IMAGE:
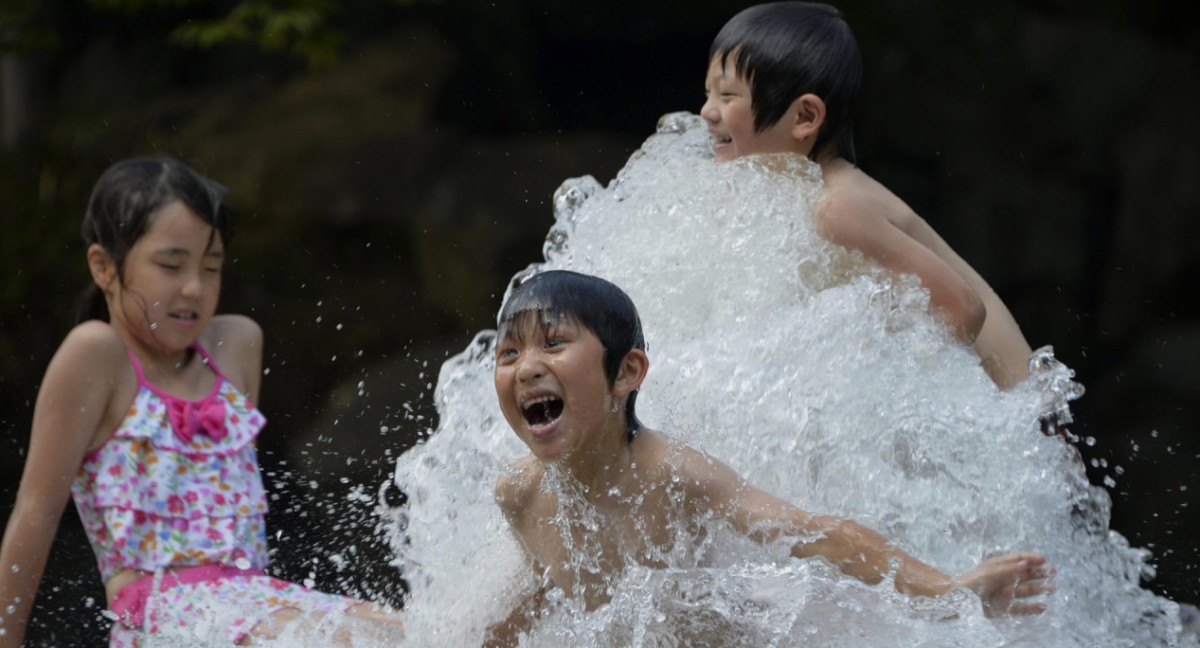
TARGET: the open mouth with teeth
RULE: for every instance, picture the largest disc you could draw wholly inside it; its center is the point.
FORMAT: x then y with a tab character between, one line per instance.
542	411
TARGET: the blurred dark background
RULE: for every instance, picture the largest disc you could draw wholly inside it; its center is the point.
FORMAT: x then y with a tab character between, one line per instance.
392	164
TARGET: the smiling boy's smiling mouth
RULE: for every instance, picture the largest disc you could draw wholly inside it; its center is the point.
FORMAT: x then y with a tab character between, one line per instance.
540	412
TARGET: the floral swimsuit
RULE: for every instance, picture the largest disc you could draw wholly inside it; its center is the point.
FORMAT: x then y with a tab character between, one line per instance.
177	487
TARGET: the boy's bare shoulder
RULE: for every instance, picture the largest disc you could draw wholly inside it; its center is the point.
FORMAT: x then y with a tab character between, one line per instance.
667	458
851	194
517	485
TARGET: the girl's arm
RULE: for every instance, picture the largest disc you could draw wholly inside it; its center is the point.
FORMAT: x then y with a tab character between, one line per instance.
73	402
855	549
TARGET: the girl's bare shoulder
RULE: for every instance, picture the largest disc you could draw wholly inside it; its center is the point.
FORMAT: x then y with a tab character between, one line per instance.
232	331
93	346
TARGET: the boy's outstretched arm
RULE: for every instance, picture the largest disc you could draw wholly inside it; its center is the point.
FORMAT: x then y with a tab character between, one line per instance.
1001	583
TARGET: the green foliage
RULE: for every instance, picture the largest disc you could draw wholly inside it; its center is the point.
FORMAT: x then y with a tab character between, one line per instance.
296	26
20	29
301	28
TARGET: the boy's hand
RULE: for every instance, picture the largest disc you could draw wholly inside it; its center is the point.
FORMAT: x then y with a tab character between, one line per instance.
1004	581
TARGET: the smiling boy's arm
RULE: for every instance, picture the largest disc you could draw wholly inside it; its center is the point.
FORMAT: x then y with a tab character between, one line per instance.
512	493
859	222
853	548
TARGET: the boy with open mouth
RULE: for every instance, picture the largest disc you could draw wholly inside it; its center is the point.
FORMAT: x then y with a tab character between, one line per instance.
600	492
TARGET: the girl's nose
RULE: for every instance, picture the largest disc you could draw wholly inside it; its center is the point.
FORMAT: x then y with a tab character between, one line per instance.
192	286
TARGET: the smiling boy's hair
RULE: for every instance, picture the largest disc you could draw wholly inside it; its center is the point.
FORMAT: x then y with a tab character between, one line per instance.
788	49
561	295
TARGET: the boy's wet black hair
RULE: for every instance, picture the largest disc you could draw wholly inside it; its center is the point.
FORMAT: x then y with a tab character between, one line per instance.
561	295
788	49
126	195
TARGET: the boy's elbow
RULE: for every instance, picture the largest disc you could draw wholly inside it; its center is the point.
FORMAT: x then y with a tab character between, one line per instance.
977	315
968	317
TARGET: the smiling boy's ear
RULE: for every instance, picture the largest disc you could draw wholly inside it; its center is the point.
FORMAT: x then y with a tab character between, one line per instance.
807	113
632	372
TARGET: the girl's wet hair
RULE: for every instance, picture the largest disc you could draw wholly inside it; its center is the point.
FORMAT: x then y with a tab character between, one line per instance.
561	295
788	49
127	194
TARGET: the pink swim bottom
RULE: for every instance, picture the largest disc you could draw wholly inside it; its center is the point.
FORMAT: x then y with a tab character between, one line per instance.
214	602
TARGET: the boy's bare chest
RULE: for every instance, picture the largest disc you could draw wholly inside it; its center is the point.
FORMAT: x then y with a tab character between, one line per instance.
586	547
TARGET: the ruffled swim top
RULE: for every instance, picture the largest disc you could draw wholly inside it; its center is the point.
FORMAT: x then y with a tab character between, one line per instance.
177	484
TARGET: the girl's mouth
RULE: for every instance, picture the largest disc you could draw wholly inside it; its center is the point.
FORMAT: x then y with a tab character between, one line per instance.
185	318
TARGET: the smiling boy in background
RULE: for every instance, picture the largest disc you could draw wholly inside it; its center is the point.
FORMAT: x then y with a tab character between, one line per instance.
785	77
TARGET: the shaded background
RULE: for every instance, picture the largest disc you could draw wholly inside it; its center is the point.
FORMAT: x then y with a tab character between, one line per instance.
392	165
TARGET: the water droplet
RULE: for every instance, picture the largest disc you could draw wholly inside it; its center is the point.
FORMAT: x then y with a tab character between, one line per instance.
15	569
242	563
153	325
157	304
383	429
338	327
318	318
266	371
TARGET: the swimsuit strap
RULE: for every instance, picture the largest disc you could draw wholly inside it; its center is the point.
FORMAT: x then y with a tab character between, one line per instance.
141	375
137	366
209	361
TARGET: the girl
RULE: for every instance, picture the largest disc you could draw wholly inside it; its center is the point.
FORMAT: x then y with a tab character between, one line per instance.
145	417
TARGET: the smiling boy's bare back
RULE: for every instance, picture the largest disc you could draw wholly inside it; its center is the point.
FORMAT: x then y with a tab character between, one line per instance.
857	212
635	518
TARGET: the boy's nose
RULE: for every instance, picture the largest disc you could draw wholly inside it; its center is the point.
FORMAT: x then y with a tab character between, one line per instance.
530	370
709	110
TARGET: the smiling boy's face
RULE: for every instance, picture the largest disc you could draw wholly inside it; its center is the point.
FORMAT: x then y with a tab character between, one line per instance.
730	116
552	387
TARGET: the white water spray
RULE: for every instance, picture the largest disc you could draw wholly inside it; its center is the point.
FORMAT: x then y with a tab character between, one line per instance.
817	377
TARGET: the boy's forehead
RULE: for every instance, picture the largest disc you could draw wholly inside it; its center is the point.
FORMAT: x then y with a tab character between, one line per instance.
535	318
724	66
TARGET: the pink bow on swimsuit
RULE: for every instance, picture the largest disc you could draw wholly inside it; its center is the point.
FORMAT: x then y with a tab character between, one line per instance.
207	417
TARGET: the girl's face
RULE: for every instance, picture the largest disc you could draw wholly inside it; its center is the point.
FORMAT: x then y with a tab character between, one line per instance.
172	282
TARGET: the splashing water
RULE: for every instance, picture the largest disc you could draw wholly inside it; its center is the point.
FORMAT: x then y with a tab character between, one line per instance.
819	378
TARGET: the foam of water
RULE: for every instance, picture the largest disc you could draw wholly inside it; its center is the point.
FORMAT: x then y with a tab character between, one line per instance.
816	376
